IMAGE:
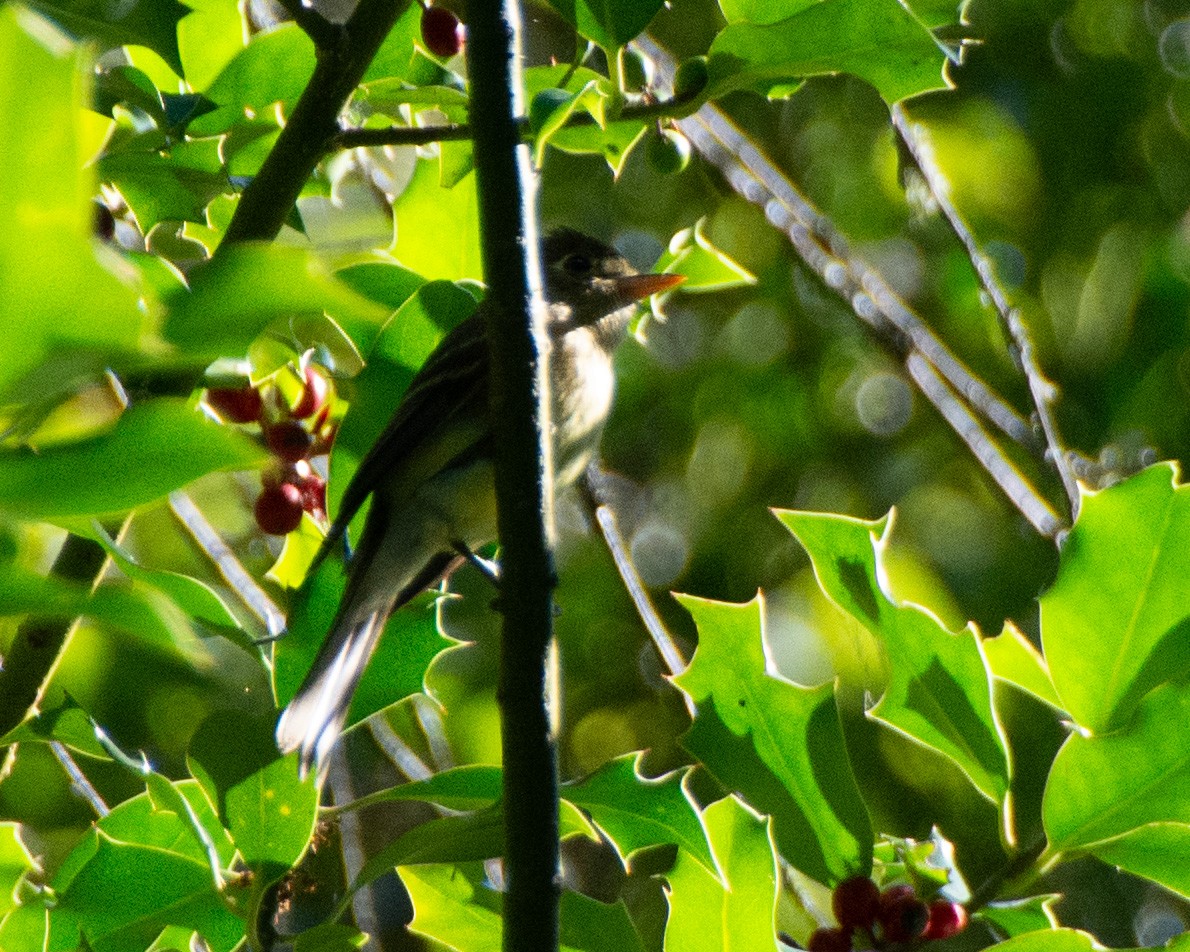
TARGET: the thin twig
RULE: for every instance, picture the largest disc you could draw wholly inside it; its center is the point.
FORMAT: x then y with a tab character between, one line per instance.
605	517
79	784
1022	495
242	583
1041	389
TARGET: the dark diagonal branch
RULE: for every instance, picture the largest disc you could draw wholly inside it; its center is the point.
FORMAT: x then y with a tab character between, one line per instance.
342	62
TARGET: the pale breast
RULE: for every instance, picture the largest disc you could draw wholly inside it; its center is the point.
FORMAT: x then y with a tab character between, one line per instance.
584	385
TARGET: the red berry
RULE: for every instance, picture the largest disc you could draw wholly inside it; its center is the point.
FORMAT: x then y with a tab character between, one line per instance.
829	940
856	902
313	490
902	915
279	509
441	31
289	440
313	396
946	919
236	404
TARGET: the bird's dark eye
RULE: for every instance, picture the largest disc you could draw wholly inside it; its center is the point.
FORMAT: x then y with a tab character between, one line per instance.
577	264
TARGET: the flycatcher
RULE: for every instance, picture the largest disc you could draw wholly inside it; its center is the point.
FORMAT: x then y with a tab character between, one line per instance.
430	474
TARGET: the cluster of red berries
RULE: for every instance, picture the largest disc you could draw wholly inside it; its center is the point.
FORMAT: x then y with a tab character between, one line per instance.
880	918
293	434
441	31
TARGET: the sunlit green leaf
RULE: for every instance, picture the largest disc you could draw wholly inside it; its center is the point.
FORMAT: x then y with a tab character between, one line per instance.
67	724
637	812
155	447
939	691
15	862
269	812
242	290
1055	940
881	42
739	911
65	302
1103	787
1019	916
777	743
1116	621
437	229
1013	658
1156	851
151	23
208	39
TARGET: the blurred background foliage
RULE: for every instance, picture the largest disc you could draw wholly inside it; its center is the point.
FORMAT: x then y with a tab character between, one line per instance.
1065	144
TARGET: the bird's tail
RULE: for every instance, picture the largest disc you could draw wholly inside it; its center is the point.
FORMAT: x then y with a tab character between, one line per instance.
314	719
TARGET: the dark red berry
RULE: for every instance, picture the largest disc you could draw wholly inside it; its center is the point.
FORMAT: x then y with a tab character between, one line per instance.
279	509
236	404
441	32
313	396
289	440
945	919
313	490
829	940
856	901
902	915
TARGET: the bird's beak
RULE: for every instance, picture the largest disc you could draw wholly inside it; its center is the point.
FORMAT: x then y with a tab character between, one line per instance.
638	286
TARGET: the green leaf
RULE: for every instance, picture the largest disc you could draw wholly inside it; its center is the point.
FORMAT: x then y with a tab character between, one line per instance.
139	870
173	186
637	812
453	908
67	724
437	229
65	303
1016	917
269	812
386	283
155	447
208	39
939	691
1051	940
762	12
471	787
550	111
274	67
242	290
738	912
151	23
1156	851
1013	658
1116	621
777	743
195	598
126	893
16	862
706	268
1103	787
609	23
330	937
881	42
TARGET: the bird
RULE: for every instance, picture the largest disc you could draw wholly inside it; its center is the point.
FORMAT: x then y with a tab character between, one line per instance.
430	473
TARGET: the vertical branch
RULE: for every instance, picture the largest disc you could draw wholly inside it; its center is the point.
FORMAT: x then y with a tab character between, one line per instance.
515	314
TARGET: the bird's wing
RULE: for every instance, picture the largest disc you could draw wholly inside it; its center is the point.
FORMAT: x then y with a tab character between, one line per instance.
425	433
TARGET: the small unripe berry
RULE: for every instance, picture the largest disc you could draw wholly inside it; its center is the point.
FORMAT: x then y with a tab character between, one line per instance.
279	509
856	901
829	940
691	77
313	396
441	32
289	440
946	919
668	152
236	404
638	71
902	915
